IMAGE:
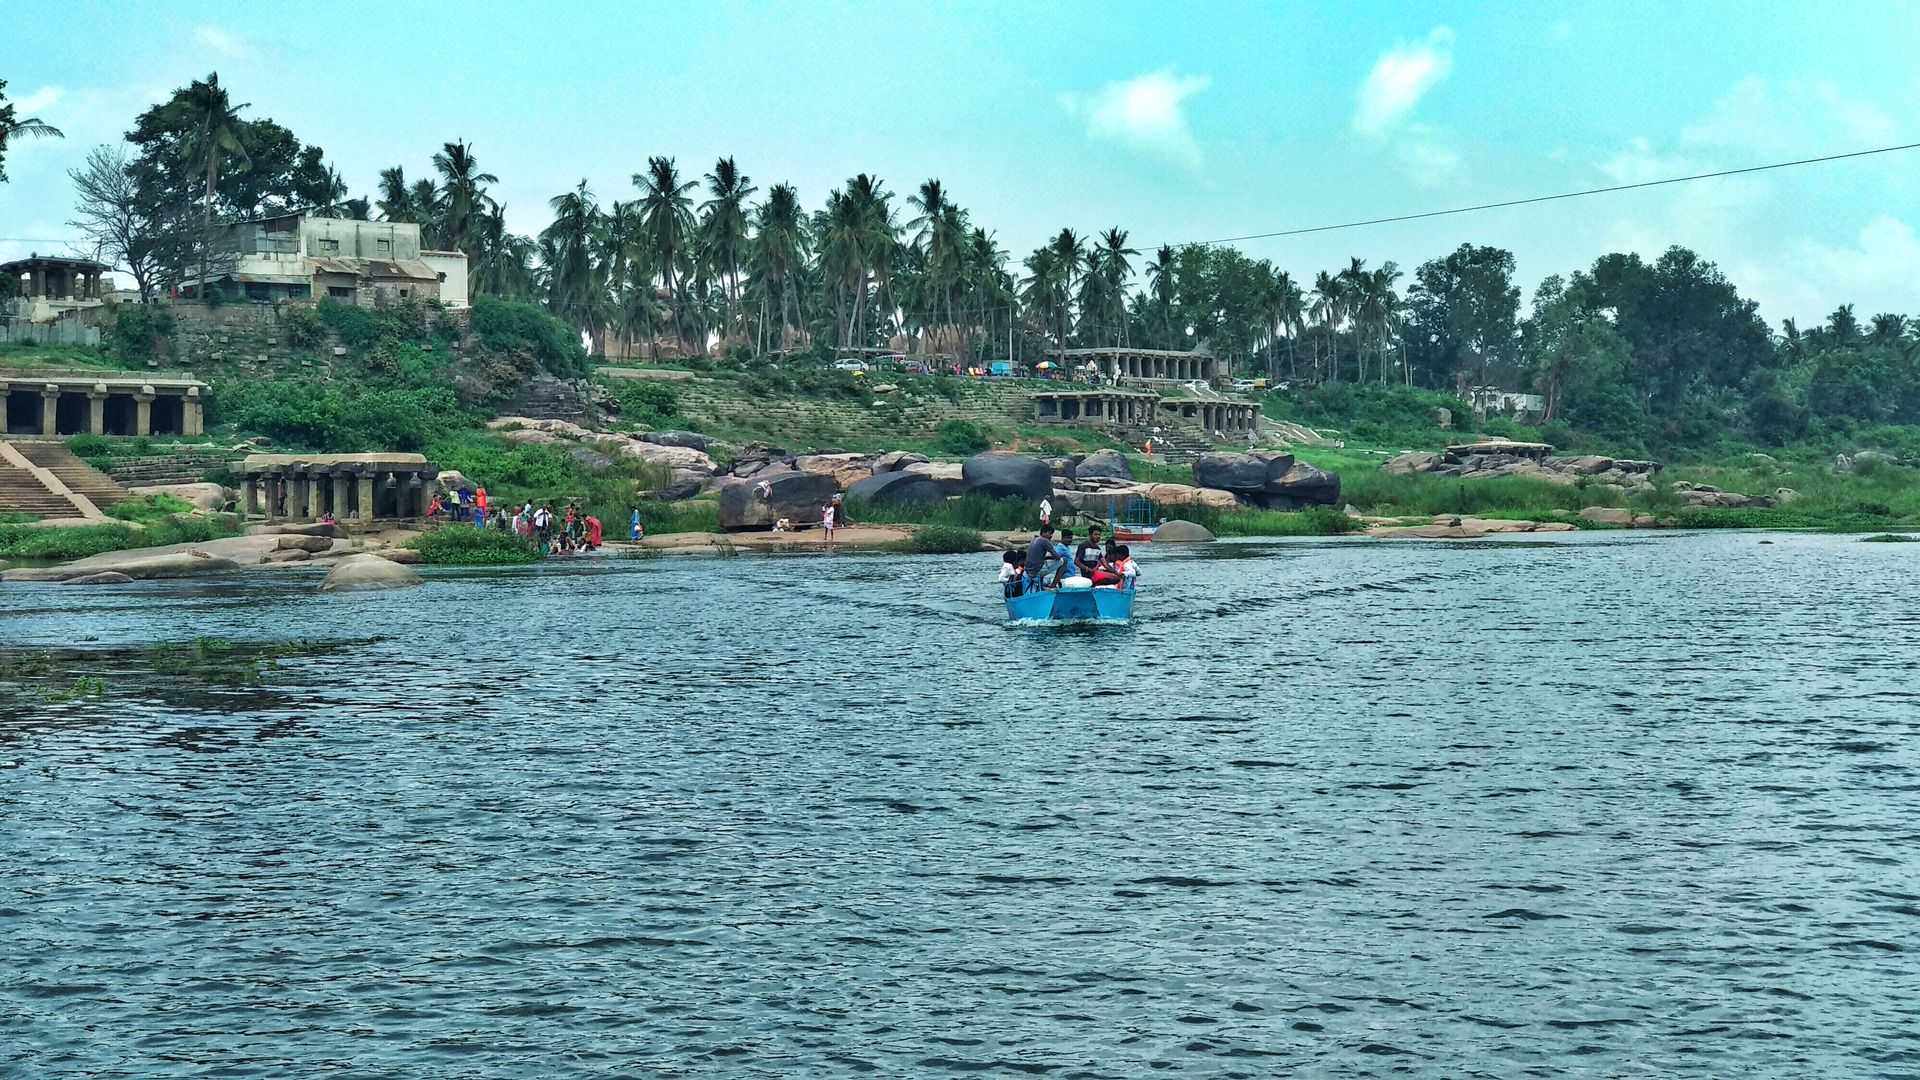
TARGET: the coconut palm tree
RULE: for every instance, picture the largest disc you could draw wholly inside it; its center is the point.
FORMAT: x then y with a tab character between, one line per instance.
723	228
668	215
779	255
463	193
576	291
17	127
503	263
1162	284
392	198
1044	293
1324	305
1843	326
215	132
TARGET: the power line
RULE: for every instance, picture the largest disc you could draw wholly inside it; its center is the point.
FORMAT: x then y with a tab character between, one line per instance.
1562	195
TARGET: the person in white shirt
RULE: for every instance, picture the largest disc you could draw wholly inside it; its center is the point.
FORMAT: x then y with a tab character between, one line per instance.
1046	511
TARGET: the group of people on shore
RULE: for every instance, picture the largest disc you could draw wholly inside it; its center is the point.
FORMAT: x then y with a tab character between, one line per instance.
1049	562
548	528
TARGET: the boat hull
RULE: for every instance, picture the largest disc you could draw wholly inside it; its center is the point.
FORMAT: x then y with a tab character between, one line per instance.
1103	604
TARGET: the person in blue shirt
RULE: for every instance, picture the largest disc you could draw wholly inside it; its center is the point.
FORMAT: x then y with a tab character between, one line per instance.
634	528
1063	548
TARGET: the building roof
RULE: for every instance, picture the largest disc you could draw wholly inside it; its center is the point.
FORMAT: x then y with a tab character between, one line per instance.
28	263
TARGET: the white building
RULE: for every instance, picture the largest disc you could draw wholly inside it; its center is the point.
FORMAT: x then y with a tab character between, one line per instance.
298	257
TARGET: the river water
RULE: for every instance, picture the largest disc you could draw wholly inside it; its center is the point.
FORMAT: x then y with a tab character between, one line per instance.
1614	804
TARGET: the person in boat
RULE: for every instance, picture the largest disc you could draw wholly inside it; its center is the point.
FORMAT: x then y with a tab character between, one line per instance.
1063	547
1039	554
1125	567
1086	557
1010	571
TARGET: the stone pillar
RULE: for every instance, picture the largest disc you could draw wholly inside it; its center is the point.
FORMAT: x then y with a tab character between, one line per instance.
413	500
39	280
193	420
50	409
143	411
314	504
97	409
340	482
366	496
249	487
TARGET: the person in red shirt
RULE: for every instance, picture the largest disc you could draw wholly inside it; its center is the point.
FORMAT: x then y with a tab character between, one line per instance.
593	532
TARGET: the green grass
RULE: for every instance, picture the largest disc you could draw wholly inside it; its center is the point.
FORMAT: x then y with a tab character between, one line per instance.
1319	521
150	508
456	545
972	511
939	540
1890	538
79	541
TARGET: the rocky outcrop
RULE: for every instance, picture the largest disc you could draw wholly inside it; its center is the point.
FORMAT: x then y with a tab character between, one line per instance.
1466	528
687	439
1002	474
308	544
202	496
105	577
758	501
1104	464
845	469
1267	479
1622	517
136	565
758	456
1178	531
895	489
368	573
1486	461
896	460
1708	497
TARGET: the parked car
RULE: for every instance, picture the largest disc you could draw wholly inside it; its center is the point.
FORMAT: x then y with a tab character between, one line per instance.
848	363
1244	385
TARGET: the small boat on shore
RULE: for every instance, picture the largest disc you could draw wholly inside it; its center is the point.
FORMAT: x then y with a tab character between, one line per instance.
1084	604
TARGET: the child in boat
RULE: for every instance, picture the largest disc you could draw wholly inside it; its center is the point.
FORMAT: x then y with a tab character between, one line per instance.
1126	567
1010	572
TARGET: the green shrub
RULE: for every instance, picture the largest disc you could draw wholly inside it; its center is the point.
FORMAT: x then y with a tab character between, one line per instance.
961	437
339	416
80	541
305	326
357	326
140	332
150	508
939	540
523	330
645	401
455	545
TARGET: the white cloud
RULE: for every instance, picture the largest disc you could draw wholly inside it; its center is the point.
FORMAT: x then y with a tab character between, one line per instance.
1384	106
1146	113
1399	79
38	102
224	42
1790	118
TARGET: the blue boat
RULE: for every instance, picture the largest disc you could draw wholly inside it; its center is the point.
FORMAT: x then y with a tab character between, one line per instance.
1103	604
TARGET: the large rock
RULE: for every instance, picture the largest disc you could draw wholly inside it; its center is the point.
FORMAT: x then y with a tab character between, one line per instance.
896	488
202	496
1408	464
758	501
1003	474
529	437
297	528
845	469
1184	495
1181	532
105	577
136	565
688	439
670	457
758	456
948	475
303	543
368	573
1608	515
1108	464
1301	486
896	460
563	428
1230	472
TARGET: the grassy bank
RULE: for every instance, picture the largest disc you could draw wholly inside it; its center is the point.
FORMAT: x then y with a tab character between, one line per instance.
62	544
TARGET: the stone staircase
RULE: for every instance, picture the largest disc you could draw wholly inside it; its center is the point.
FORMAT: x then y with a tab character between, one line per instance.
21	492
1181	442
544	397
819	422
79	476
187	467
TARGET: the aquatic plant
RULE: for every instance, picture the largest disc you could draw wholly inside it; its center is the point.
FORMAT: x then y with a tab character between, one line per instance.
939	540
454	545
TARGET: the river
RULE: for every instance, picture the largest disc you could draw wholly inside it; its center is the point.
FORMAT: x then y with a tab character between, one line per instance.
1604	804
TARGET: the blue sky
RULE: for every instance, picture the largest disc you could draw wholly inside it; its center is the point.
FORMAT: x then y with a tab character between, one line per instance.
1175	122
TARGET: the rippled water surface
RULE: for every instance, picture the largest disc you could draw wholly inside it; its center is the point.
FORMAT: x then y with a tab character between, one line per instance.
1613	805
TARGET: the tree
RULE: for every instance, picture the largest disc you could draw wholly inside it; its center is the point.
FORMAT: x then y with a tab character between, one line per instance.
464	192
575	289
779	254
723	227
1463	312
113	217
667	212
13	127
1160	283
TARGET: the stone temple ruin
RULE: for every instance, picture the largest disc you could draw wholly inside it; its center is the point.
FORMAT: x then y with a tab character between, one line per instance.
359	488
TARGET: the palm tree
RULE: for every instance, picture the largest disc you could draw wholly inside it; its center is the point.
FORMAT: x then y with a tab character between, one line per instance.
1843	326
1110	268
1324	306
723	230
575	289
1161	282
1044	293
394	201
464	194
503	263
12	127
779	254
667	213
1888	328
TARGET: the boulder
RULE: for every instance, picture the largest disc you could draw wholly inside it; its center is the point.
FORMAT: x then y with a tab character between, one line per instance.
757	502
105	577
1109	464
896	488
136	565
756	456
202	496
1783	496
845	469
1183	495
562	428
1300	487
368	573
670	457
1178	531
288	555
948	475
679	490
1003	474
689	440
1608	515
303	544
529	437
297	528
404	556
1062	468
1230	472
1407	464
895	460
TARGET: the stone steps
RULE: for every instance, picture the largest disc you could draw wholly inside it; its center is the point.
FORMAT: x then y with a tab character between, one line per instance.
79	476
170	469
21	492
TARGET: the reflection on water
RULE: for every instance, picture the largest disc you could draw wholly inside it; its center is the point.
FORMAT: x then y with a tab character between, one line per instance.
1608	805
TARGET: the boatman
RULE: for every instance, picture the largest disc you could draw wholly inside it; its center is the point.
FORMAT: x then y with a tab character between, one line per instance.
1039	553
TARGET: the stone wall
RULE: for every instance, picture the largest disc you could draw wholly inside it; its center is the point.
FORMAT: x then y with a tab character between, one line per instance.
183	468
